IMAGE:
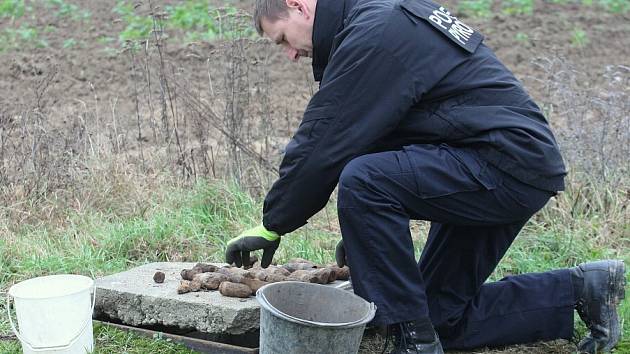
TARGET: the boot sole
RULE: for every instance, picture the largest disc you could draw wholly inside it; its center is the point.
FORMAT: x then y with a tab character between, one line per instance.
616	283
617	278
618	271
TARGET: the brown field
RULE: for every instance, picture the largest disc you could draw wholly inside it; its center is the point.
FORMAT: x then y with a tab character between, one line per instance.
227	108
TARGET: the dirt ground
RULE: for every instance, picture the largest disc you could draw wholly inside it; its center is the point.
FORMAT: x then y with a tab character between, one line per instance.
95	68
373	343
96	72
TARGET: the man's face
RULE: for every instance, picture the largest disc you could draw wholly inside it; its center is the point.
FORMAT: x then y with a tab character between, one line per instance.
295	32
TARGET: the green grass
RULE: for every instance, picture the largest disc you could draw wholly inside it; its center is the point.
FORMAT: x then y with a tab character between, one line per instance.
114	341
518	7
521	37
197	20
136	27
483	8
66	10
615	6
476	8
12	9
102	241
579	38
188	21
109	340
22	36
126	224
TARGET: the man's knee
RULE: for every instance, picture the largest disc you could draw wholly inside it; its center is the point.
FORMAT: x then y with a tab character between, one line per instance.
353	179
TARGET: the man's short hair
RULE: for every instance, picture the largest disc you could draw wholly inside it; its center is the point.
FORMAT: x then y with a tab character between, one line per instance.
272	10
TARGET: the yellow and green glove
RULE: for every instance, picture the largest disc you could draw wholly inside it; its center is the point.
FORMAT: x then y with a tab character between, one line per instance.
257	238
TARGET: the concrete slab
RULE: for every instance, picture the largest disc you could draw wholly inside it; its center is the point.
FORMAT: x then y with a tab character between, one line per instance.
136	300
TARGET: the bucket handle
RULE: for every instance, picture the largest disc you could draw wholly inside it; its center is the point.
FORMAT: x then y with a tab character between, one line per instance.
262	299
56	347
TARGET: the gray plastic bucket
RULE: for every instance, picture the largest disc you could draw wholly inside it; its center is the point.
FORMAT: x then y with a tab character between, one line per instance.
298	317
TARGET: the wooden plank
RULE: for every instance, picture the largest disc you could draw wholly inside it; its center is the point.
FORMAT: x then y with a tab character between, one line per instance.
200	345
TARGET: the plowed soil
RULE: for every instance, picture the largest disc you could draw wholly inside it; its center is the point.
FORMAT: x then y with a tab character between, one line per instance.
93	72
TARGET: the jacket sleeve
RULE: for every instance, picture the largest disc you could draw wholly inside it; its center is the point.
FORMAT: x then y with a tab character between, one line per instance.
364	94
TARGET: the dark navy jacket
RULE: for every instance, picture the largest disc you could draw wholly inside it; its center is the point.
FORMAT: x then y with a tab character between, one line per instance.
395	73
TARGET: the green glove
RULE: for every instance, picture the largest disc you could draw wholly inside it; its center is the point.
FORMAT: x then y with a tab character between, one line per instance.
257	238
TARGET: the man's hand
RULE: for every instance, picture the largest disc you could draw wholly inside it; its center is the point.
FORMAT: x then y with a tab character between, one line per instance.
257	238
340	254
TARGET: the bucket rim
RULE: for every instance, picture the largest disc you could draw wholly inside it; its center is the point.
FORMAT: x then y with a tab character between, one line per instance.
260	296
17	286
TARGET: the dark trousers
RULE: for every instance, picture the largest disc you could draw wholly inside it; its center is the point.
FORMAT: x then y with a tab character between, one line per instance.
476	211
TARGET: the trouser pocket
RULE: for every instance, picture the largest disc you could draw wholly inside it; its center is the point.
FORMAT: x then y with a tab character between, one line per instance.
443	170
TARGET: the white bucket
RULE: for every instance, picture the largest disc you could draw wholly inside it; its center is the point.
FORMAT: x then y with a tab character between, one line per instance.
54	314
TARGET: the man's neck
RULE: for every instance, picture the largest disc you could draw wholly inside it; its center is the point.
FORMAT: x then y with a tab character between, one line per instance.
329	16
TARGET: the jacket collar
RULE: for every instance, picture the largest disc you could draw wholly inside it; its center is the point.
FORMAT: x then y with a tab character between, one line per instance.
329	20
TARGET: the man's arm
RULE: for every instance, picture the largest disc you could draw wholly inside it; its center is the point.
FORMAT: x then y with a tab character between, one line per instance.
363	96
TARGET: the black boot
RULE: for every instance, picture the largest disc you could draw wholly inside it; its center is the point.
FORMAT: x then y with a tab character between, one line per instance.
602	290
415	338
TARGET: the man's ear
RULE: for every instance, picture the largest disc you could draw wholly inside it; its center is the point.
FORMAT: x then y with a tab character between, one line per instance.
299	5
293	4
